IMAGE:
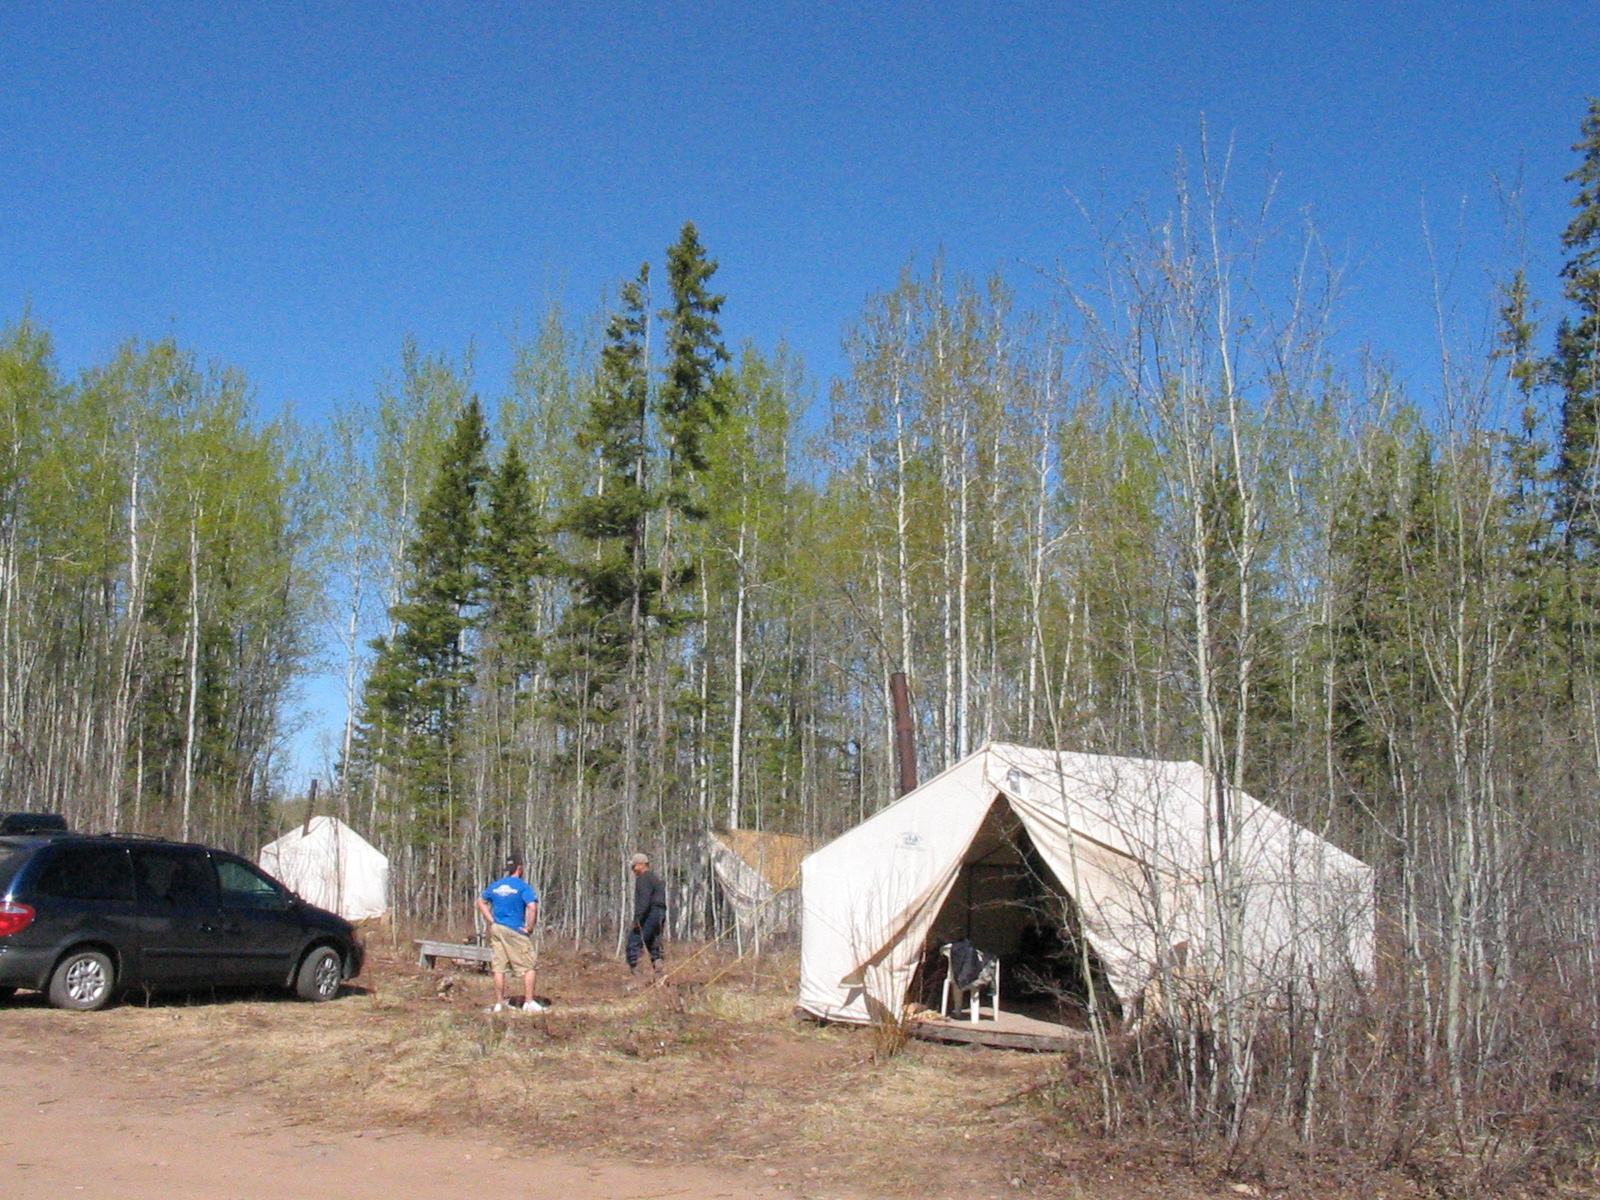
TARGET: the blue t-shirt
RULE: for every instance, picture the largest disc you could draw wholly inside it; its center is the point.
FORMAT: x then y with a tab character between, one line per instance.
509	899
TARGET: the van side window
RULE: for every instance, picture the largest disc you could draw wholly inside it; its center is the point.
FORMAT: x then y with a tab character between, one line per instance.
175	878
85	873
244	888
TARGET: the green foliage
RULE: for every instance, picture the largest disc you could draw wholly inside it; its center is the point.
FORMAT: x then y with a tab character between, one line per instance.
1577	354
1383	525
513	558
692	400
158	545
418	692
616	591
754	572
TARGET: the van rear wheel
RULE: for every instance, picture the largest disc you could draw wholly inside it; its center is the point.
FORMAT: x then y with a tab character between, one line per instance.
82	981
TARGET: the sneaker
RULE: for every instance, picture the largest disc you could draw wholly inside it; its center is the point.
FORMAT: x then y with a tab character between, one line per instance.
497	1007
532	1006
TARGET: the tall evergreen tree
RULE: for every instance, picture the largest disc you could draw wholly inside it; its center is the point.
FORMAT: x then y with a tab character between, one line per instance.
693	398
514	561
596	648
513	557
691	404
597	652
1577	356
417	694
615	590
1526	373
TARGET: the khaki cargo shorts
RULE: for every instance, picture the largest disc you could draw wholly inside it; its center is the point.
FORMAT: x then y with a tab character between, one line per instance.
513	951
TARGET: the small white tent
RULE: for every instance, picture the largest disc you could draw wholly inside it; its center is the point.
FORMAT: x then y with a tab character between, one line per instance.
760	876
332	866
1128	848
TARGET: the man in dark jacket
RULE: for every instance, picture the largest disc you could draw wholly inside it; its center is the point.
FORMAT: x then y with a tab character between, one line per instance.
649	914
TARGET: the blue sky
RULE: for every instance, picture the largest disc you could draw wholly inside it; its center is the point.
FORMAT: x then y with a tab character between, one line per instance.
292	188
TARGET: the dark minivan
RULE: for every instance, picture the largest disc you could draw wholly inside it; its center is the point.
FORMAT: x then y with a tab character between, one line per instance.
83	917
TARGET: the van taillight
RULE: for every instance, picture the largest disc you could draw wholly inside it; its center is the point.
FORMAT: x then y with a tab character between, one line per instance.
14	917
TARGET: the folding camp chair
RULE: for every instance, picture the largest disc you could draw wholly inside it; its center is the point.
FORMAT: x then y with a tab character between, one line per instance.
968	971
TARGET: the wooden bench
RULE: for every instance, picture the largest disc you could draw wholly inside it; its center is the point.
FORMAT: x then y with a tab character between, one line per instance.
430	952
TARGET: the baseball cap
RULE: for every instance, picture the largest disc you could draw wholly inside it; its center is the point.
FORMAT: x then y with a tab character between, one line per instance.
639	860
513	861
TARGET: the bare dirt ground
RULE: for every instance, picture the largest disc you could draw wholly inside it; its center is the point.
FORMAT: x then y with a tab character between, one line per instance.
706	1086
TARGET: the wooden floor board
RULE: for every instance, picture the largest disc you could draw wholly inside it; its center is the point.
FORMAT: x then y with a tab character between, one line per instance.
1012	1031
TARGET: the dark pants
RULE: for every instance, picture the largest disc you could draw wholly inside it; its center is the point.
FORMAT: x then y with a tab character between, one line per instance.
646	935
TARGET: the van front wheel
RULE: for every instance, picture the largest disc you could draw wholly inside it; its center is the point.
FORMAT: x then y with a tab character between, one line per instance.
319	975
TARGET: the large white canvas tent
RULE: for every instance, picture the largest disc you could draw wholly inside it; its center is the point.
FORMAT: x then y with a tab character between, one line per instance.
1124	849
759	873
332	866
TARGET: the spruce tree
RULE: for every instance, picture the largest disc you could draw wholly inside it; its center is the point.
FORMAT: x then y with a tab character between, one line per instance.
1527	374
615	591
693	395
1577	355
514	561
513	556
691	404
417	693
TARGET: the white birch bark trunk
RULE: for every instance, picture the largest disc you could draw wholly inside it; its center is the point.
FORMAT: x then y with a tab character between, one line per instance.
736	734
192	649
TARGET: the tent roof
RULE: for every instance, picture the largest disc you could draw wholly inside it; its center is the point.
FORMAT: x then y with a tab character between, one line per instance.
324	829
776	857
1153	811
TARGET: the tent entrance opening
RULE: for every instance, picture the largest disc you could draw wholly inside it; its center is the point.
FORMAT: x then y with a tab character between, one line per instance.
1009	904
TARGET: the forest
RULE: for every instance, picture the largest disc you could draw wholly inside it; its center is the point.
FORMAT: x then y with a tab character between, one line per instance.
657	586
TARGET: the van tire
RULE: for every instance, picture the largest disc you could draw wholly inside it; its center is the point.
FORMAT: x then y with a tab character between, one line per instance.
319	974
82	981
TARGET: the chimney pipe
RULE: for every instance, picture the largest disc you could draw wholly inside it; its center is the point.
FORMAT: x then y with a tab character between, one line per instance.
905	741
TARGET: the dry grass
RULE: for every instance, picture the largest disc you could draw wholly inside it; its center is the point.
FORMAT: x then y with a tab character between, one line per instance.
712	1066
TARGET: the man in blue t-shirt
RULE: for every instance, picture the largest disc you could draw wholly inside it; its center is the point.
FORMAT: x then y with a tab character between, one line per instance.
511	907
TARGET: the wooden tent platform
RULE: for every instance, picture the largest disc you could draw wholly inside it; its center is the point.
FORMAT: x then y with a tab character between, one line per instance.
1013	1031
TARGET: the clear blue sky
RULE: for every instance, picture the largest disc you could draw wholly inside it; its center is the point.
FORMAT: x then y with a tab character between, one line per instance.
292	188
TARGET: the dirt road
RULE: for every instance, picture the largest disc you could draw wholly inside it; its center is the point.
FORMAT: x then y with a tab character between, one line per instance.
405	1088
71	1126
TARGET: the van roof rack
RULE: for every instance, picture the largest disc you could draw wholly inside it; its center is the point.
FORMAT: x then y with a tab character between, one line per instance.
27	822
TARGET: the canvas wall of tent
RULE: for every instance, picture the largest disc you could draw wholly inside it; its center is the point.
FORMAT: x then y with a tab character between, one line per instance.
1053	859
759	874
332	866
